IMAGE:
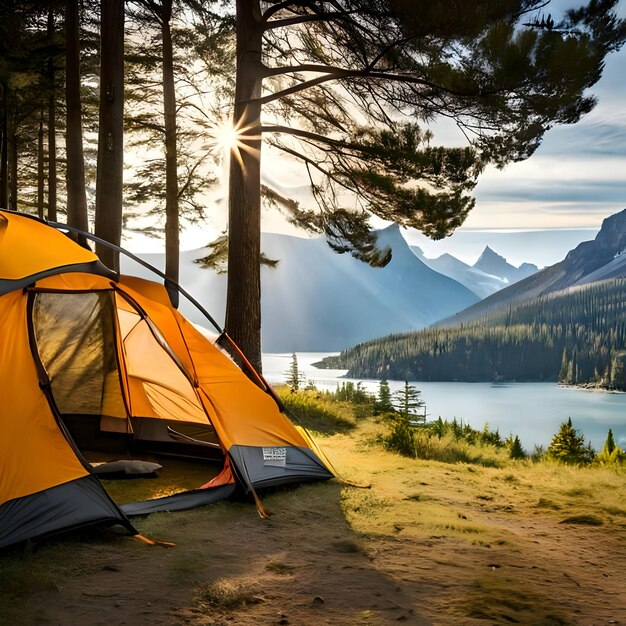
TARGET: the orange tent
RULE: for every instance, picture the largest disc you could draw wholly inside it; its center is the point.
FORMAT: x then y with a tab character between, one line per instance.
90	360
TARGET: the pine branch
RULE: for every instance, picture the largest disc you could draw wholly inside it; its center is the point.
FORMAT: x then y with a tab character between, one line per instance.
311	17
279	6
298	132
342	74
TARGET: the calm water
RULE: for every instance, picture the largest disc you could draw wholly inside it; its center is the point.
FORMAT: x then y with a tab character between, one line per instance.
531	410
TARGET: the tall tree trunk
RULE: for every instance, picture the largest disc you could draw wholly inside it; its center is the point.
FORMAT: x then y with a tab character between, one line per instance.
13	164
75	172
109	177
52	129
4	151
243	301
172	245
41	176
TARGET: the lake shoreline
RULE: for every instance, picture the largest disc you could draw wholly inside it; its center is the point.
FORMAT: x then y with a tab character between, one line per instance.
589	386
533	411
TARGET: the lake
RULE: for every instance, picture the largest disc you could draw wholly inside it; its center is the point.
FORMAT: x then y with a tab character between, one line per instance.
533	411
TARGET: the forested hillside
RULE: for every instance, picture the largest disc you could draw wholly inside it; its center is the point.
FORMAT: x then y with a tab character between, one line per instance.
574	336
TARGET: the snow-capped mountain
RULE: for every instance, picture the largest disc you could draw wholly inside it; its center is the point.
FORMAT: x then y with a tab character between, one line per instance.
590	261
476	279
491	263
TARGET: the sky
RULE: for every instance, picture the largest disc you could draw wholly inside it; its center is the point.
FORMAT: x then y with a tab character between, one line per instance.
576	178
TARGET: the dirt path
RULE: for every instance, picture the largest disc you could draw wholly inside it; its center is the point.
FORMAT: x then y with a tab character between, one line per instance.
304	566
428	544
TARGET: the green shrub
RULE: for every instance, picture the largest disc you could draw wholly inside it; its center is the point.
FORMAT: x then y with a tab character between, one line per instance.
440	441
401	437
538	454
448	449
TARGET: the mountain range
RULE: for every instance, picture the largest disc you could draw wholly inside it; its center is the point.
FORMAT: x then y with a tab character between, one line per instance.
489	274
490	262
542	246
315	300
566	323
590	261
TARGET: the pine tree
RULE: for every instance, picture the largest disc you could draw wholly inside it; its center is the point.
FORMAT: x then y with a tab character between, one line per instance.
75	170
568	445
294	377
383	403
408	404
609	445
516	451
617	371
611	452
349	81
109	182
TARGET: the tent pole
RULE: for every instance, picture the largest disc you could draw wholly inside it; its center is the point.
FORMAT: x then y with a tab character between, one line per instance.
141	262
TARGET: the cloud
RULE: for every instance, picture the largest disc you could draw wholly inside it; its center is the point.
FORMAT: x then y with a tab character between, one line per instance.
577	176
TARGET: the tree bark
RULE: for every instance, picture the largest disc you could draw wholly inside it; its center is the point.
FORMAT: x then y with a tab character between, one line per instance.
13	164
243	301
172	243
52	130
75	172
4	152
41	176
109	176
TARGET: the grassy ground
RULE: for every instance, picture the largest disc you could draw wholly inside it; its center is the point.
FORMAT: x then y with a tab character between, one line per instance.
427	542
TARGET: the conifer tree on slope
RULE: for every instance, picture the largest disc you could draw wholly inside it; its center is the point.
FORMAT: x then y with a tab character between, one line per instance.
348	87
383	402
611	452
408	403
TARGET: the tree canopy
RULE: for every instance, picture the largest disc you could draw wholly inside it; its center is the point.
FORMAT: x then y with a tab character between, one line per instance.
354	85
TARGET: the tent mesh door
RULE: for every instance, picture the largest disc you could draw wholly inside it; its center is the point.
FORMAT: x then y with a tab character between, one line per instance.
75	337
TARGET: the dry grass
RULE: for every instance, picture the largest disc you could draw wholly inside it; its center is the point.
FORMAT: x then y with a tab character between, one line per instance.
224	594
428	498
447	449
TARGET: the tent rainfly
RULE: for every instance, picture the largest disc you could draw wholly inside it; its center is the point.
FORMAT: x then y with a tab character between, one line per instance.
90	360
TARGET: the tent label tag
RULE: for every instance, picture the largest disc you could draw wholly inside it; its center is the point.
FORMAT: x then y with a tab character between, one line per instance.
275	456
